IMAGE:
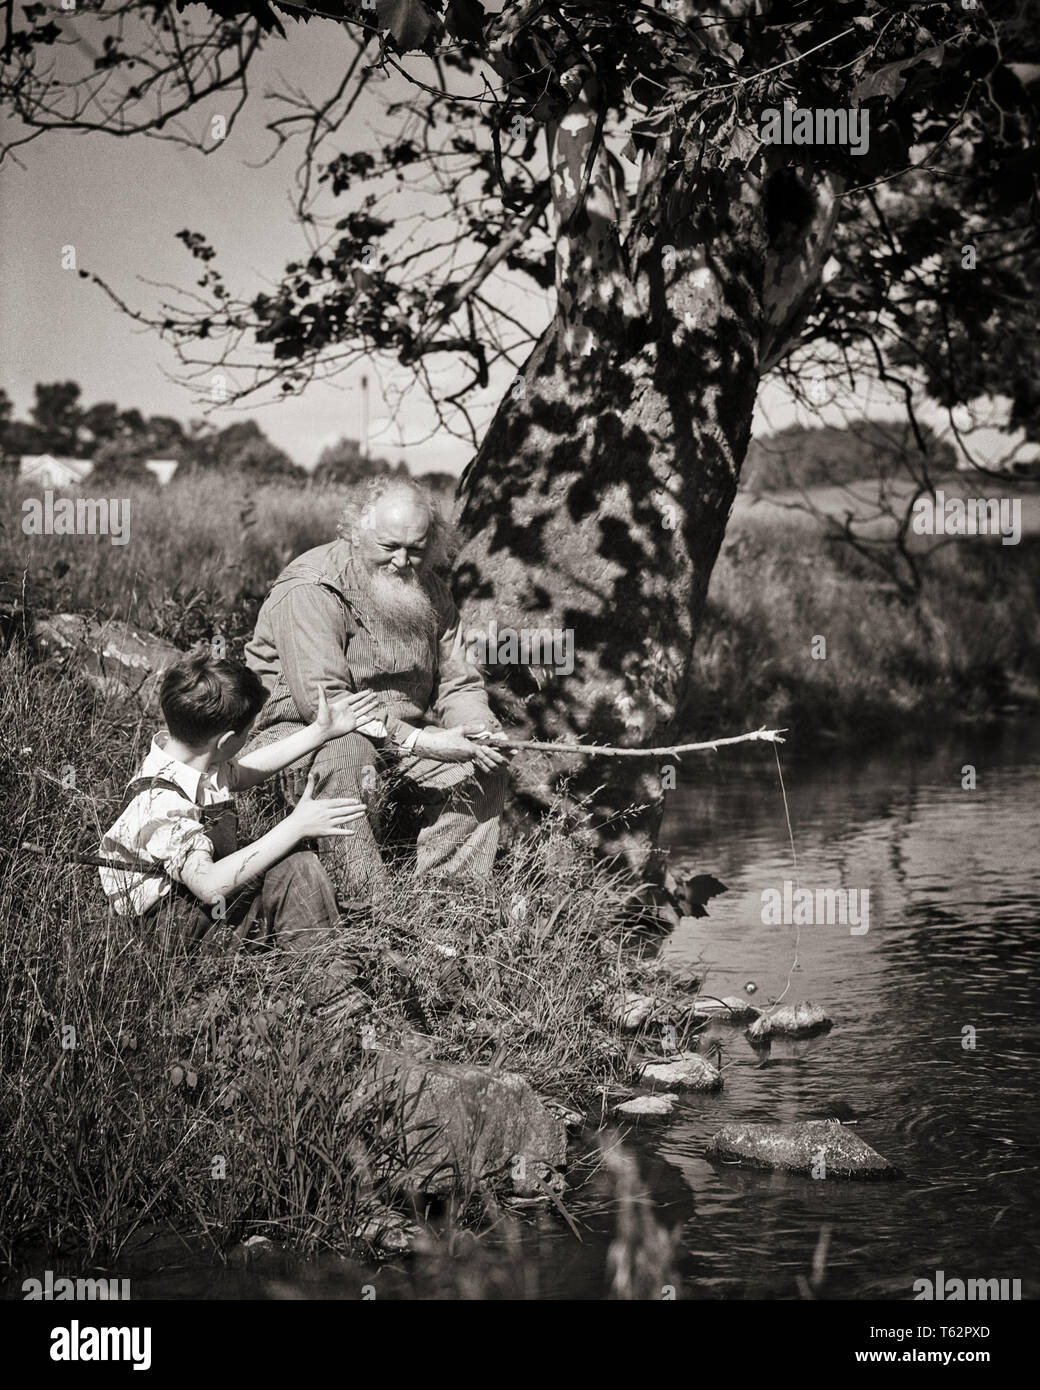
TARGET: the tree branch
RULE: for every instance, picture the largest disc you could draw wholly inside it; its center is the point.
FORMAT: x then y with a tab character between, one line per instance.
611	751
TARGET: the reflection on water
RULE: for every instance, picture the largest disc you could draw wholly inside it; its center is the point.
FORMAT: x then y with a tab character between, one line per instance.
952	944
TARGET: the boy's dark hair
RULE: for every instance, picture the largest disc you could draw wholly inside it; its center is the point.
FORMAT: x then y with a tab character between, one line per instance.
202	697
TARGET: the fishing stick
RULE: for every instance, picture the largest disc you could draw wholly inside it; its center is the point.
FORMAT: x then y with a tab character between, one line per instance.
137	866
611	751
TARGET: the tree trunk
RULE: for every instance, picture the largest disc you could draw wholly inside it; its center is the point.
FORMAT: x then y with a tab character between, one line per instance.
598	500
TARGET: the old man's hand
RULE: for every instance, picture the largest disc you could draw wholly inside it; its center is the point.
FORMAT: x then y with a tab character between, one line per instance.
459	745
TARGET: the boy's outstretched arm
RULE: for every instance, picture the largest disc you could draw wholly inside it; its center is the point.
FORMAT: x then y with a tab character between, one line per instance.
211	879
330	721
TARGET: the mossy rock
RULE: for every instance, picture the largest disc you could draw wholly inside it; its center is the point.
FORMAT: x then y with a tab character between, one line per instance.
687	1071
816	1148
789	1021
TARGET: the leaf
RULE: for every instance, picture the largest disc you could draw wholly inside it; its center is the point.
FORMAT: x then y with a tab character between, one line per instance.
236	9
743	146
409	21
465	19
646	92
890	80
886	82
697	890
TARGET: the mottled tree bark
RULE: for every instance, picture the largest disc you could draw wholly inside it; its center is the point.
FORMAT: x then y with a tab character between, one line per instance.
598	500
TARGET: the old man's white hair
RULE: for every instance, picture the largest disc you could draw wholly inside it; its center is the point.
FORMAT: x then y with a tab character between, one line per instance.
443	543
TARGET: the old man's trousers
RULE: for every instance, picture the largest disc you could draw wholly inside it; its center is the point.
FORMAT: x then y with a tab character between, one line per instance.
460	804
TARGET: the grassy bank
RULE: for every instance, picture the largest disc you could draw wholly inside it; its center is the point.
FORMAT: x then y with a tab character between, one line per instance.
966	649
137	1088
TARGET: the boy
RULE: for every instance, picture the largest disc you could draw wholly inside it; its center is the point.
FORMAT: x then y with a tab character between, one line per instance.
177	831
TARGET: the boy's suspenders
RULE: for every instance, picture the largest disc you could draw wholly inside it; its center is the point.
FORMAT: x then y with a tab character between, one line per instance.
134	790
148	784
220	822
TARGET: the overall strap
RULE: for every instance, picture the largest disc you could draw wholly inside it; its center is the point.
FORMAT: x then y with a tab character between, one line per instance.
133	790
147	784
349	607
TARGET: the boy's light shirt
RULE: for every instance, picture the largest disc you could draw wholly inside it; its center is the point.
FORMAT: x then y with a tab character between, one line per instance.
161	826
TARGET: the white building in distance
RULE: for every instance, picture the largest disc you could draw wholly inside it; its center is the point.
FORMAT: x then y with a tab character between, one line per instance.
47	470
162	469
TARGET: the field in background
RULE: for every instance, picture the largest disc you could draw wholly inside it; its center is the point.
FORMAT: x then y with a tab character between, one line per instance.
874	508
200	557
202	554
965	649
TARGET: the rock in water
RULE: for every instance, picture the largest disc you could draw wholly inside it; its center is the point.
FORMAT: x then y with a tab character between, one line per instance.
728	1010
639	1107
467	1127
686	1072
389	1230
818	1148
789	1021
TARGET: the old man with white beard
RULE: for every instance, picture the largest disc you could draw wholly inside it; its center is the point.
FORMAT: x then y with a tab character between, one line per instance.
367	611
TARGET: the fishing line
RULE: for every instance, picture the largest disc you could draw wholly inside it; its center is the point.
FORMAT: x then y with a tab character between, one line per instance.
794	859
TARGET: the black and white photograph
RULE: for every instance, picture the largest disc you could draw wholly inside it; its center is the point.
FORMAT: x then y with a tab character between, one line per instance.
519	672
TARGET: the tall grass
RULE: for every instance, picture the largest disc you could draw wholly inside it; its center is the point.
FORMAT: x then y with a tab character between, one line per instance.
202	554
140	1087
967	649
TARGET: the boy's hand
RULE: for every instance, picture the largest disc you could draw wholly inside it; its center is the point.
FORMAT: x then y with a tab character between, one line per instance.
313	818
345	714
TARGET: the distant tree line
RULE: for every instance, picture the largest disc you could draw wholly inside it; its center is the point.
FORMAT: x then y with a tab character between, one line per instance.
807	457
120	441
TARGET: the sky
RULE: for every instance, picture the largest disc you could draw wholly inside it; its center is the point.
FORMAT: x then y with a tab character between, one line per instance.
119	203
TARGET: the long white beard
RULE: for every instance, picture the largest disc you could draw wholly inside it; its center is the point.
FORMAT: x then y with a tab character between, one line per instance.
404	606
